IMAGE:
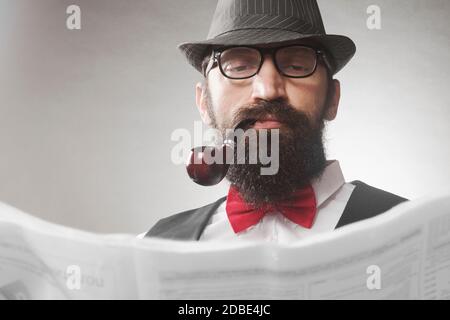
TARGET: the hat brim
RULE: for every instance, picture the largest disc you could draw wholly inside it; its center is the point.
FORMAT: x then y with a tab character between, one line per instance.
340	48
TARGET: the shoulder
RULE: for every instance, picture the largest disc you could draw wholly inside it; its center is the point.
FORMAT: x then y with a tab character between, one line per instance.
186	225
373	195
366	202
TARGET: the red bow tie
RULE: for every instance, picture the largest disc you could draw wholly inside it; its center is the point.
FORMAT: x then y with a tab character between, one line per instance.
300	208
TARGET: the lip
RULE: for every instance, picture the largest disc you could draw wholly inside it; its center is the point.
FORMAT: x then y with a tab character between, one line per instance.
269	122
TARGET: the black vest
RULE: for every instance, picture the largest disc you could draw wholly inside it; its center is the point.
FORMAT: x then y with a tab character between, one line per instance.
365	202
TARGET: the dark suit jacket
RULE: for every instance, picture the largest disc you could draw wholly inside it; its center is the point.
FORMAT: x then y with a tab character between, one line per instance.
365	202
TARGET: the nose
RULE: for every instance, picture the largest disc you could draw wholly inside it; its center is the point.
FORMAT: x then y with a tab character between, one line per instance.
268	84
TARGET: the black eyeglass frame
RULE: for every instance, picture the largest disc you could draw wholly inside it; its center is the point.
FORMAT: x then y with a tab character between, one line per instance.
215	60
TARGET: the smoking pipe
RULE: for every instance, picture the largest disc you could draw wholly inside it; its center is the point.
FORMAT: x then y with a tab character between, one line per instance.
200	165
202	168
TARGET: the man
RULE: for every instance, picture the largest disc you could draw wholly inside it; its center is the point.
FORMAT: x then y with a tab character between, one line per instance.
271	64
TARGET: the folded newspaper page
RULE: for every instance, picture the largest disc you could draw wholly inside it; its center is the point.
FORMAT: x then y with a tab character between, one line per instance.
401	254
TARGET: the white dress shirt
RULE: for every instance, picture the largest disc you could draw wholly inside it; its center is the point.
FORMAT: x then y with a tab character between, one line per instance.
332	194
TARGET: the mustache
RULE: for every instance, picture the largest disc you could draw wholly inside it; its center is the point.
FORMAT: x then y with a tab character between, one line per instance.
277	109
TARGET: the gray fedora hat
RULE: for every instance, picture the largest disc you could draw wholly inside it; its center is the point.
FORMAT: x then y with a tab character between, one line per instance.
269	22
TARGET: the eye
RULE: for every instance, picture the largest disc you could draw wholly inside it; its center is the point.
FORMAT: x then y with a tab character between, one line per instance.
239	67
236	68
296	67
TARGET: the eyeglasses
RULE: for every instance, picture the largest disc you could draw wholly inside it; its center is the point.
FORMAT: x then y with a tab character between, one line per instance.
245	62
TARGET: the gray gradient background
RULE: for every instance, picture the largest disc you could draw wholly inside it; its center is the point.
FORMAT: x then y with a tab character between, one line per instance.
86	116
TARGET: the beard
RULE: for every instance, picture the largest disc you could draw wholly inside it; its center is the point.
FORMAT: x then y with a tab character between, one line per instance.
301	154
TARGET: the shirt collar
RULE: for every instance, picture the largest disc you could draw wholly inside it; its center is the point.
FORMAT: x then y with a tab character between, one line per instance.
328	183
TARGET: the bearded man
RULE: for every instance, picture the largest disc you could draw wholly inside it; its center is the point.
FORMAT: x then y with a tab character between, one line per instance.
269	65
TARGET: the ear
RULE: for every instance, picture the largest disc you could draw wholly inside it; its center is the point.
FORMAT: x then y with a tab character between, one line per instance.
200	100
334	102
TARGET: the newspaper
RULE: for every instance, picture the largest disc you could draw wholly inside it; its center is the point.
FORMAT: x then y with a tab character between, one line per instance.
401	254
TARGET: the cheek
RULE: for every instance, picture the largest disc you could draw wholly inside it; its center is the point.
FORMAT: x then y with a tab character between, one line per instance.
307	95
227	97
